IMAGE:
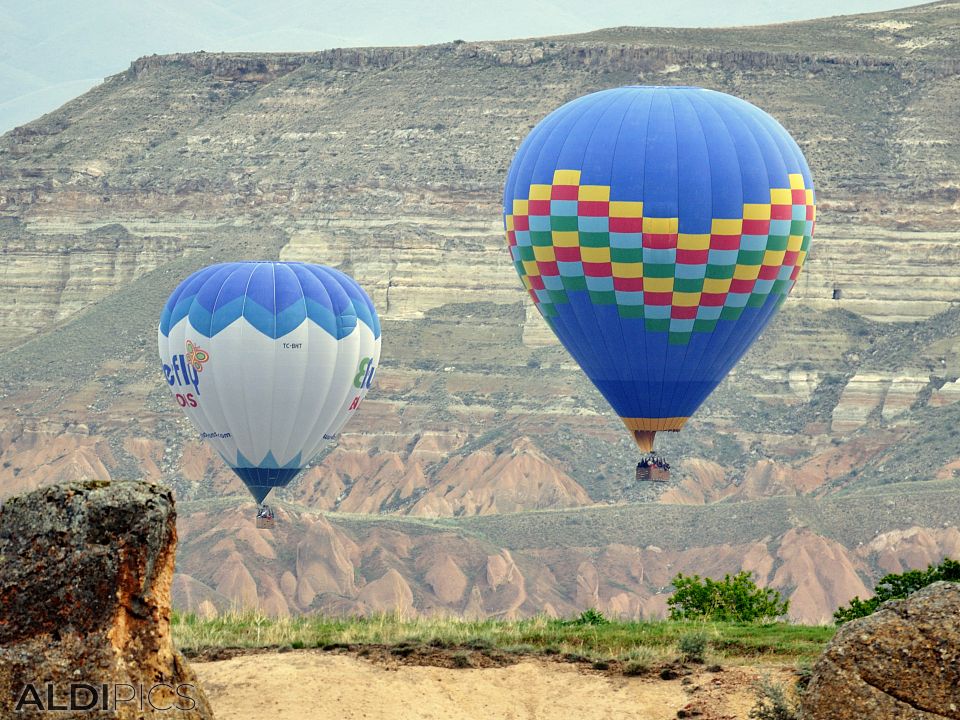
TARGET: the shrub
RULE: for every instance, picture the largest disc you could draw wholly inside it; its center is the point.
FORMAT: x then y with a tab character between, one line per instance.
591	616
773	703
692	647
733	599
896	586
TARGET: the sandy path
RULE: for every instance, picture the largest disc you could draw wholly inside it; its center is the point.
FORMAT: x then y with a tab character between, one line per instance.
307	685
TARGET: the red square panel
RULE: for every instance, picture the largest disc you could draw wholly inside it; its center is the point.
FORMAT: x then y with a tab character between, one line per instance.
626	225
601	269
627	284
593	208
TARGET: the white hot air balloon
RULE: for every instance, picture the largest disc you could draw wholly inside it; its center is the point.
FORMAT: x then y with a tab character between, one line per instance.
269	360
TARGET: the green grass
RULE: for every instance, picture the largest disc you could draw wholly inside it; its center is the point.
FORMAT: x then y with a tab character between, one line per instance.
646	642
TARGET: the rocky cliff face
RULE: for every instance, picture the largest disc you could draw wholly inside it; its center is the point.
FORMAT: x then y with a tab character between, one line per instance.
388	163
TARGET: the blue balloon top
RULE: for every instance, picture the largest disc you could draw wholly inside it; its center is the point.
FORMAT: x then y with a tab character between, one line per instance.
274	297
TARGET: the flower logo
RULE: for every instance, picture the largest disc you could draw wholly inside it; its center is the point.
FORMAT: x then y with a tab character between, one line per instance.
196	357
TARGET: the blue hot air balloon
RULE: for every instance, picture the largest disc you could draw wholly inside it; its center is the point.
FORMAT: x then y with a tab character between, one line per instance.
657	230
269	360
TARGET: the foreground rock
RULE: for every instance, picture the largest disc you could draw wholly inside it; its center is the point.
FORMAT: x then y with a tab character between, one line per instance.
902	662
85	574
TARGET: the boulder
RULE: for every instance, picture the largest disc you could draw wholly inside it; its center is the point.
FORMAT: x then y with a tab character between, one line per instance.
85	575
902	662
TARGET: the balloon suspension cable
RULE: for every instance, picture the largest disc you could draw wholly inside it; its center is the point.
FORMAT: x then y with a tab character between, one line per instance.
644	439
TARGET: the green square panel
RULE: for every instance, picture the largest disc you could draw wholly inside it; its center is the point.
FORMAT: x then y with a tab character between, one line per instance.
688	285
574	283
558	297
780	287
756	300
731	313
526	252
750	257
657	324
677	338
630	311
805	243
548	310
777	242
606	297
564	222
541	238
655	270
798	227
626	255
720	272
594	239
704	325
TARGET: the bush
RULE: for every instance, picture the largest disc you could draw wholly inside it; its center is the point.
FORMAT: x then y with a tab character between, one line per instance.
896	586
773	703
591	617
692	647
733	599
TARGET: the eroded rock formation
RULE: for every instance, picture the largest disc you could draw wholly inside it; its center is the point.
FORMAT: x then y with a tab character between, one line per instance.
85	576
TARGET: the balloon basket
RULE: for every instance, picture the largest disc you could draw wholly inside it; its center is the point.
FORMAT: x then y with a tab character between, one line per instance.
265	518
653	468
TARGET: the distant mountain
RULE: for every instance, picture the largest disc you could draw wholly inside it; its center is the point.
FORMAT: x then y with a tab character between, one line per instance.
834	442
51	51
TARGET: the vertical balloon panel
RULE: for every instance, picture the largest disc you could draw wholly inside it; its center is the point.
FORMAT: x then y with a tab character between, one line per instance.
264	360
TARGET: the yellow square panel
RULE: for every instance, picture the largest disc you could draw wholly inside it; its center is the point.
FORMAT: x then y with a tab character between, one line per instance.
540	192
756	211
693	242
595	254
796	181
520	207
526	281
774	258
809	197
594	192
509	221
566	238
660	226
801	256
658	284
745	272
566	177
627	270
794	243
727	226
544	253
716	285
685	299
779	196
626	209
531	267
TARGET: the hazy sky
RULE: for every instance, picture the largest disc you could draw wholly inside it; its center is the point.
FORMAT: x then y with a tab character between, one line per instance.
54	50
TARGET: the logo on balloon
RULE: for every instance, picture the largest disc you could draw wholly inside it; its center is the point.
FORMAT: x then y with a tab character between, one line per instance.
196	357
364	375
184	370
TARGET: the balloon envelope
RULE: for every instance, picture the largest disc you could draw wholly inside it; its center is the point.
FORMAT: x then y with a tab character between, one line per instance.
657	230
269	360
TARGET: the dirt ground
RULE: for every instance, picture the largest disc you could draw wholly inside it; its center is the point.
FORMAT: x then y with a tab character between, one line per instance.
315	685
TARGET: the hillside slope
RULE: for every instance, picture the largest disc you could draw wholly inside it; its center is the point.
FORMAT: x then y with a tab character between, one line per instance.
388	163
